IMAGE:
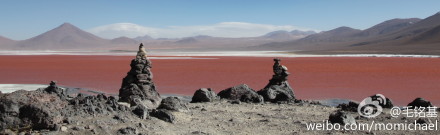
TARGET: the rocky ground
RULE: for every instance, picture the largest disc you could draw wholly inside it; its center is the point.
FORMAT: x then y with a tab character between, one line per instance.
223	117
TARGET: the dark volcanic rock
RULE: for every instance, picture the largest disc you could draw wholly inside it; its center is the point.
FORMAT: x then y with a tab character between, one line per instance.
54	89
423	121
204	95
351	106
278	88
138	83
235	102
91	105
341	117
35	109
127	131
141	111
162	114
44	109
420	102
241	92
173	104
387	104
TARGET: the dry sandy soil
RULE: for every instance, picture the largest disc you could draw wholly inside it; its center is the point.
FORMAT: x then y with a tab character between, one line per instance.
222	117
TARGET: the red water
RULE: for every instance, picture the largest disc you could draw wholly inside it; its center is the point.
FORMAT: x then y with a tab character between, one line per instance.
401	79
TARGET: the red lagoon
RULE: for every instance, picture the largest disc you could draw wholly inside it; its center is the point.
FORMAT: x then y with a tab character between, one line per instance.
401	79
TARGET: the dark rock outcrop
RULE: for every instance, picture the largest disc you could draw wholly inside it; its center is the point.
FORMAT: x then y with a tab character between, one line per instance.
141	111
163	114
419	102
54	89
49	107
204	95
341	117
173	104
423	121
138	83
387	104
92	105
351	106
278	88
241	92
34	109
127	131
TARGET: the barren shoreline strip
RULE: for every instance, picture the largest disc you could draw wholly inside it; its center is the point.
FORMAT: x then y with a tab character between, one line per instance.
188	54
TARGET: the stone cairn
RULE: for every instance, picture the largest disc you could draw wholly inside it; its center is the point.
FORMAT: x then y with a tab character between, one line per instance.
138	87
54	89
278	88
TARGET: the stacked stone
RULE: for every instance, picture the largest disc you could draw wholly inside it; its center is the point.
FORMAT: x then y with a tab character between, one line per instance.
138	84
278	88
54	89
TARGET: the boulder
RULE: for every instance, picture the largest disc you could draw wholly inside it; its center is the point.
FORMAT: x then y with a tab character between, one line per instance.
127	131
204	95
419	102
350	106
173	104
341	117
141	111
138	83
423	121
162	114
92	105
54	89
35	109
387	104
241	92
278	88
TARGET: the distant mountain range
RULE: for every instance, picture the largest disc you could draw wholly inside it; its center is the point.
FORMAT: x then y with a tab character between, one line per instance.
404	36
396	36
70	37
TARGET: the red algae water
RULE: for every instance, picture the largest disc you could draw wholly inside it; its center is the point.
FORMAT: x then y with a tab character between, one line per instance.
400	79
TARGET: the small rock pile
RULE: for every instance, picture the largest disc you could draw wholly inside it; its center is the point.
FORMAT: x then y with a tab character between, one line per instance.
138	83
54	89
278	88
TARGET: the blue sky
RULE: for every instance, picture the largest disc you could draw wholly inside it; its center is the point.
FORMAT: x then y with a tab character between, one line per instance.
22	19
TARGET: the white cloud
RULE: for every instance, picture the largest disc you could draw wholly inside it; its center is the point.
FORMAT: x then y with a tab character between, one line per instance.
223	29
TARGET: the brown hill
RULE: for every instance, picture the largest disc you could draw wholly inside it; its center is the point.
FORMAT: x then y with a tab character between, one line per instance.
409	36
405	33
419	38
66	36
322	40
6	42
430	36
387	27
335	35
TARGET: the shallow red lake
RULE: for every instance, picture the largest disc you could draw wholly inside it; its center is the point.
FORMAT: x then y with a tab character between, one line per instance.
401	79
